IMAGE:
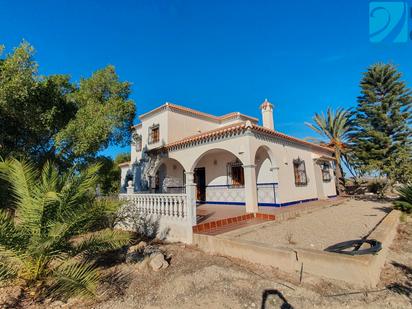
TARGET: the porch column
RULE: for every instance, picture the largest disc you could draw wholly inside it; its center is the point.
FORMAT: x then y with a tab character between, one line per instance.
250	188
191	196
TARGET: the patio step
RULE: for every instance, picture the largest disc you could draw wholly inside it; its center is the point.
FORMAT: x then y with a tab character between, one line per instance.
230	224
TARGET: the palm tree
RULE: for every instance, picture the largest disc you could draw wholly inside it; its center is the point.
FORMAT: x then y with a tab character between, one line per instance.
334	128
404	203
56	230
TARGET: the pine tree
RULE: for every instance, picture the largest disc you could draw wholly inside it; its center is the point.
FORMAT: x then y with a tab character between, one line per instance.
381	142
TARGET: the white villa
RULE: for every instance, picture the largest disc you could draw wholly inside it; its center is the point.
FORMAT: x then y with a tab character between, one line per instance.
183	155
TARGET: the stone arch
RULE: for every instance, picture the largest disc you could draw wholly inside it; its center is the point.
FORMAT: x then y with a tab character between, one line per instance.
211	151
168	176
266	176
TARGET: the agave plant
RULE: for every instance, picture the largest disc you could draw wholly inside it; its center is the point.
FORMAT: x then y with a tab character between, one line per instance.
56	229
405	200
334	129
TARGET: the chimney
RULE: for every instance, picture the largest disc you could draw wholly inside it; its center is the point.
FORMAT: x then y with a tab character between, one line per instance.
267	114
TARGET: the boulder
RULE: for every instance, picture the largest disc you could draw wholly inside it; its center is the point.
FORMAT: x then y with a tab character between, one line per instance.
158	262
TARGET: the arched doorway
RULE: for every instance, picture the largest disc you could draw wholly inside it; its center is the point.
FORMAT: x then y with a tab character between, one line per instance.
168	177
266	177
219	178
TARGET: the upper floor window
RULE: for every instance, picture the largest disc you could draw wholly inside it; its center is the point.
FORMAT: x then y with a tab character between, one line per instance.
299	170
137	141
154	134
325	167
235	171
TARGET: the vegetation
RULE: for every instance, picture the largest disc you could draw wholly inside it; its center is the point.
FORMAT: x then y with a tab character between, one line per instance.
50	118
381	140
405	200
58	230
109	174
334	129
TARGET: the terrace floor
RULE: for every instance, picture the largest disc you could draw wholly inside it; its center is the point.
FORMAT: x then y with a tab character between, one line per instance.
209	213
219	219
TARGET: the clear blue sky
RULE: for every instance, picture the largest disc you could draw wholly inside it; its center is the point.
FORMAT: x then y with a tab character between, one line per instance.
215	56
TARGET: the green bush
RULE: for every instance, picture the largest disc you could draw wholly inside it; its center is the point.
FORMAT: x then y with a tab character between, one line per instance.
56	232
404	203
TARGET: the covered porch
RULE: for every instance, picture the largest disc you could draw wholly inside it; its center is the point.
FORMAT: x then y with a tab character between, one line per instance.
219	179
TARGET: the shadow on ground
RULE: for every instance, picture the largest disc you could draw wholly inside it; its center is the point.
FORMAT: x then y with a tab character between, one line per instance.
402	288
275	297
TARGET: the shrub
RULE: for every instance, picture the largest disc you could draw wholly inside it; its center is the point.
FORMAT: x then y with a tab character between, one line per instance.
57	232
404	203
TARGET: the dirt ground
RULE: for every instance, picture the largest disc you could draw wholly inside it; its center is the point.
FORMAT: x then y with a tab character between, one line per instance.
322	228
198	280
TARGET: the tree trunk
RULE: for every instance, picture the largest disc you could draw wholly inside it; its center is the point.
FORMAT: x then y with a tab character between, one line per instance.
340	179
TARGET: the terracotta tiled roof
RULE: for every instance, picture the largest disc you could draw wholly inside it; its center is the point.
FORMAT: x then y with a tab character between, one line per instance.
212	133
198	113
239	127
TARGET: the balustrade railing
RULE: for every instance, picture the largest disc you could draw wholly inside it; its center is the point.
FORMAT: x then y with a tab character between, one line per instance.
164	205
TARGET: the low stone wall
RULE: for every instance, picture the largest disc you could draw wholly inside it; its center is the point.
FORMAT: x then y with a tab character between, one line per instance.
362	271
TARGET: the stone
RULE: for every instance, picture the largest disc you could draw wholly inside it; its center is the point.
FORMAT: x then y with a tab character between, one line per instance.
140	246
158	262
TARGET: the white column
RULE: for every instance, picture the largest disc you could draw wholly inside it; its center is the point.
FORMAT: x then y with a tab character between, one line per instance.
250	188
191	196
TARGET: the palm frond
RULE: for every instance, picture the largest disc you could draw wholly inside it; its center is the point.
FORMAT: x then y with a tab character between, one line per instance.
406	193
21	177
101	241
10	236
6	272
74	279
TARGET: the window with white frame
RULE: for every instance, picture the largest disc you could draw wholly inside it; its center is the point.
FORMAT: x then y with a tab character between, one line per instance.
154	134
325	167
299	170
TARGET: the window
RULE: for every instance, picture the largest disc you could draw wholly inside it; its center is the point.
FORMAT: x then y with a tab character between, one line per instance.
326	177
137	141
154	134
299	170
235	173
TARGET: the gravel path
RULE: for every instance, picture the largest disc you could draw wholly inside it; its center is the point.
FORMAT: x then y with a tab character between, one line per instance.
321	228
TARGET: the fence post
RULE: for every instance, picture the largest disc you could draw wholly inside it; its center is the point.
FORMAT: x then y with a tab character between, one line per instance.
191	197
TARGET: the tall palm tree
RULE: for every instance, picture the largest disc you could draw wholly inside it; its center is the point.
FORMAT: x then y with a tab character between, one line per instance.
56	230
334	128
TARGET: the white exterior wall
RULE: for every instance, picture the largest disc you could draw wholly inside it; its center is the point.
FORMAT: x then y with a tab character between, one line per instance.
182	125
123	172
159	118
282	154
134	155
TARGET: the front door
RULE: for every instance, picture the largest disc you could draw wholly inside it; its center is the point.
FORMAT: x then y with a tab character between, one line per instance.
200	181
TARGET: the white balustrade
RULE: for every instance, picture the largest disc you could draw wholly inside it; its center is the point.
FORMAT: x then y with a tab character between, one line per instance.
172	206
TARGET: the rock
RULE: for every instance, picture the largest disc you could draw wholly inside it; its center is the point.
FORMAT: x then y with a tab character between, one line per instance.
57	303
158	262
140	246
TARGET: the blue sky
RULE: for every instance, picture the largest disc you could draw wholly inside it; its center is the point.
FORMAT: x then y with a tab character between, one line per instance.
215	56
